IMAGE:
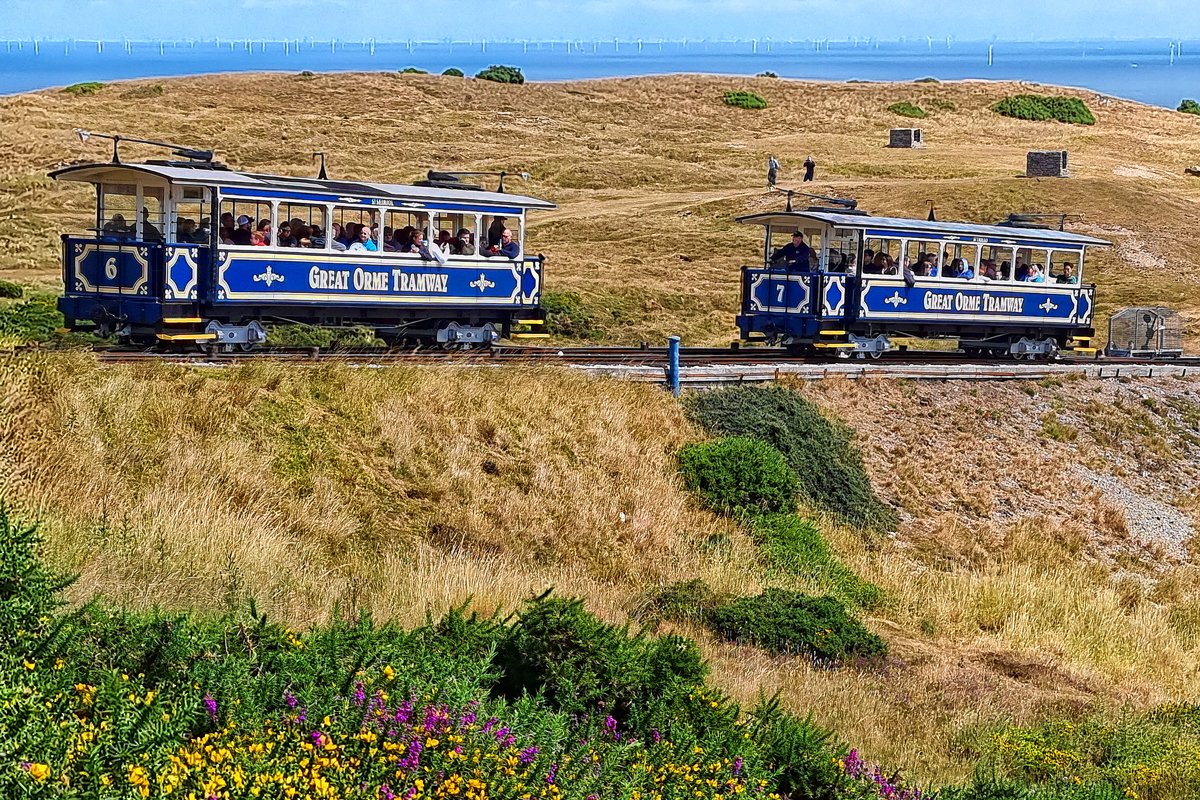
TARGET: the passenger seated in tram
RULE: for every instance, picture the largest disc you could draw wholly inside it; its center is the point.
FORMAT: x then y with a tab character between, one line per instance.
850	264
1005	270
257	239
366	240
495	231
241	234
506	248
227	226
264	230
116	227
792	256
1035	274
464	244
1068	273
285	237
987	270
1021	272
185	231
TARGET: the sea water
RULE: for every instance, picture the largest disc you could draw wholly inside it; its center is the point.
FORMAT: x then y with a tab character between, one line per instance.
1158	72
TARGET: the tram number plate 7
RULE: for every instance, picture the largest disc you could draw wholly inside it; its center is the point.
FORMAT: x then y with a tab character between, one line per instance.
779	288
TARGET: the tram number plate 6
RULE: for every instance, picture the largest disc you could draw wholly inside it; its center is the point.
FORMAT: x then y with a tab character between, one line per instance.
110	269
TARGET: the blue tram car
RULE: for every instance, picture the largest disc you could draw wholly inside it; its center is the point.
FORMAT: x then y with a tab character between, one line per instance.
1014	288
192	251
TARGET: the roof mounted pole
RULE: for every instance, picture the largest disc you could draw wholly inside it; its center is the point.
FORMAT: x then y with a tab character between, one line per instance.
184	152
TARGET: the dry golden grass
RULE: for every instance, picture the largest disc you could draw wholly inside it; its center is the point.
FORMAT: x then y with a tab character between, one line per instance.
403	491
648	171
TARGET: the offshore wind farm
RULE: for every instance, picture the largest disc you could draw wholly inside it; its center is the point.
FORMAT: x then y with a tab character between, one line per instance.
1154	71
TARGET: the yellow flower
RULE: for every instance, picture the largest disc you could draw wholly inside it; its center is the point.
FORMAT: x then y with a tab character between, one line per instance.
39	771
29	665
389	673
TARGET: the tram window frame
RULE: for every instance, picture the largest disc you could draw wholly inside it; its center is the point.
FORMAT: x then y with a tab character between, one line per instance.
286	211
1030	257
1065	257
844	242
915	248
893	247
107	209
515	223
156	218
193	203
243	207
998	254
392	216
464	219
341	214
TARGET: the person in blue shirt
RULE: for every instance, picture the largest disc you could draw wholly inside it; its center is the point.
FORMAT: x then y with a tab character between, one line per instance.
365	240
793	256
506	247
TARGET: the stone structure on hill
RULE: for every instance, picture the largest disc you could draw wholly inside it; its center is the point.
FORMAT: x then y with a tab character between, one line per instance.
905	137
1046	164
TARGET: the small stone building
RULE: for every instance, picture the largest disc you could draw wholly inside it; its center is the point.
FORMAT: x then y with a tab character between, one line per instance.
905	137
1046	164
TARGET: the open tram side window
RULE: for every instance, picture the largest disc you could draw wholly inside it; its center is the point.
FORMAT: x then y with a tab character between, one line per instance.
457	232
239	218
1030	265
922	258
399	227
300	225
841	252
1066	266
996	261
118	210
152	220
960	261
494	225
881	256
350	223
190	223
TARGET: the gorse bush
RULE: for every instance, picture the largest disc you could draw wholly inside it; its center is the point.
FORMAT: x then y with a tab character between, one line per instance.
907	109
568	316
788	622
413	71
1038	107
1189	107
744	100
501	74
35	320
11	291
453	72
821	452
88	88
28	590
739	474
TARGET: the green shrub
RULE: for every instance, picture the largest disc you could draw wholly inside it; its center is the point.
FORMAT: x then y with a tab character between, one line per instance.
77	89
1189	107
28	590
739	474
788	622
685	600
577	662
307	75
413	71
35	320
940	105
794	545
744	100
808	757
11	290
907	109
453	72
501	74
821	452
927	80
568	316
1038	107
767	74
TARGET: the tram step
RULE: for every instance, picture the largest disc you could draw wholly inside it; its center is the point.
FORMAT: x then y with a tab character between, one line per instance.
529	336
186	337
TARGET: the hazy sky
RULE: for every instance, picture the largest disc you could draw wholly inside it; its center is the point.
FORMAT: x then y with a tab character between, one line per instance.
582	19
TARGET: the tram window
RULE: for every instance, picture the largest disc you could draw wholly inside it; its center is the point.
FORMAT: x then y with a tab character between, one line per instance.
239	218
118	210
922	258
884	258
999	259
351	221
398	227
1065	267
447	228
1031	265
189	224
494	226
306	223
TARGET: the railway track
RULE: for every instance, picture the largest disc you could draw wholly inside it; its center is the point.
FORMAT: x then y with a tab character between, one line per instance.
699	366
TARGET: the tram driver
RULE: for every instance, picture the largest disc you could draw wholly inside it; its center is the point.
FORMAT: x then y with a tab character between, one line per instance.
792	256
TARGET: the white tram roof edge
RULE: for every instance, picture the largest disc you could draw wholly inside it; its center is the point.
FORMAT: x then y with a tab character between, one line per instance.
281	185
925	229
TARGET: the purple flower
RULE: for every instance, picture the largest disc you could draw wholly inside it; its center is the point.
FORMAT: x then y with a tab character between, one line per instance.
360	695
211	706
385	792
552	774
467	719
657	737
412	755
290	699
737	765
528	755
318	738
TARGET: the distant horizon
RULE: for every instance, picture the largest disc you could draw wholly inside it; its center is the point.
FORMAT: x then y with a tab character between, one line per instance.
633	39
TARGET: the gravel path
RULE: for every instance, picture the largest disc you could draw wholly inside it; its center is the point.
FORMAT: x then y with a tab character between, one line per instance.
1149	521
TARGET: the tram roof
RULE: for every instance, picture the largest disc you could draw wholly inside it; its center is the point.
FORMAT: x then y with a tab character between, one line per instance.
952	231
253	184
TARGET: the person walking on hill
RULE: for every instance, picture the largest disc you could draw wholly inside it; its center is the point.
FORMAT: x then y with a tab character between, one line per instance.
810	167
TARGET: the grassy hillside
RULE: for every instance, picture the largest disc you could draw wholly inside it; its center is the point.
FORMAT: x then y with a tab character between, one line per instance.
1037	571
648	172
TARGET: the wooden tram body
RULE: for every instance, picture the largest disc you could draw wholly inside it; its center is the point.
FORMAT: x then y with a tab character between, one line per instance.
159	281
839	304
